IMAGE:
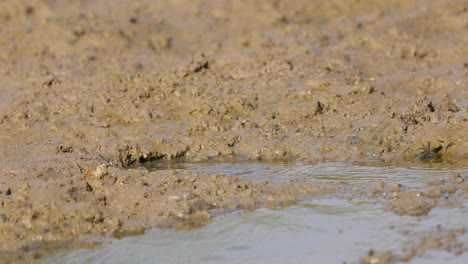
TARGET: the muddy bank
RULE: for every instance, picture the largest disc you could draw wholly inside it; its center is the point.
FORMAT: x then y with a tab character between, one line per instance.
89	88
317	82
40	207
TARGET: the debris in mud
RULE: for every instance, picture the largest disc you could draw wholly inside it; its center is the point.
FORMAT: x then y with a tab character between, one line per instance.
51	80
65	148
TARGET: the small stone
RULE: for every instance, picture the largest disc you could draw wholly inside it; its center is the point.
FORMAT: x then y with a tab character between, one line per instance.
100	172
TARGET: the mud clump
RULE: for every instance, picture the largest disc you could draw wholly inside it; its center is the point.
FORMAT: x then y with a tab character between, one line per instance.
446	193
439	239
198	63
89	89
420	201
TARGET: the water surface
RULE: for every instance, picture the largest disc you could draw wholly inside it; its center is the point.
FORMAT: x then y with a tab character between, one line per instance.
330	230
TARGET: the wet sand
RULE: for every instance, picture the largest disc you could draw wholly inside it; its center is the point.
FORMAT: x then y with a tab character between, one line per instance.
88	89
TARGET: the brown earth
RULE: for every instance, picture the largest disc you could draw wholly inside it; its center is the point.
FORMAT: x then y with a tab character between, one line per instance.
88	88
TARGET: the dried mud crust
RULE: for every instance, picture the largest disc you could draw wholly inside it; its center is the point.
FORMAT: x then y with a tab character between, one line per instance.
88	88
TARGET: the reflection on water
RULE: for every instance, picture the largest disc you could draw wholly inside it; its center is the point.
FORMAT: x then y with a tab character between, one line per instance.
328	230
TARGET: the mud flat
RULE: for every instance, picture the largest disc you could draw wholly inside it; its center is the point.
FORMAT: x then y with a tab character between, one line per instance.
89	89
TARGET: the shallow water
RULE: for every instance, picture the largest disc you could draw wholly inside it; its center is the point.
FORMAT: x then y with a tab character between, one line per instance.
329	230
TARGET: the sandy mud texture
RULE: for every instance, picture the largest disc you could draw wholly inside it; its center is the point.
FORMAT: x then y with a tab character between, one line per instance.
88	88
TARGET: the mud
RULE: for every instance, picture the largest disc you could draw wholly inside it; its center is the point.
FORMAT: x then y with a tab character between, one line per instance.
438	239
88	89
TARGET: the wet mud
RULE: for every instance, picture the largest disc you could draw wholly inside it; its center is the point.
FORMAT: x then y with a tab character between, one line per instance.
89	89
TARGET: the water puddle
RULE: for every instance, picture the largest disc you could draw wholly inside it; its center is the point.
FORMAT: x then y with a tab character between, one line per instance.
329	230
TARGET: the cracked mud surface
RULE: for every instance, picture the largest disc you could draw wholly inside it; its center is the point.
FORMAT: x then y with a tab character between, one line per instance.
88	89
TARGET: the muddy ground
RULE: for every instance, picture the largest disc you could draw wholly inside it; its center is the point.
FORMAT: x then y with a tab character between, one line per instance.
89	88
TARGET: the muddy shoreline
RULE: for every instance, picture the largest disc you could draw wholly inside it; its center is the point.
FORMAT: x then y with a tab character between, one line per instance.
89	89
